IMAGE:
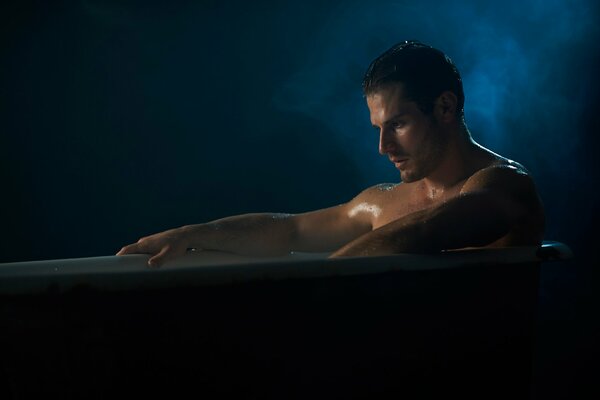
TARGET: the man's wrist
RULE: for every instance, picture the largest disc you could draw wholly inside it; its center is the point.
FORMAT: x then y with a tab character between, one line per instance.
192	235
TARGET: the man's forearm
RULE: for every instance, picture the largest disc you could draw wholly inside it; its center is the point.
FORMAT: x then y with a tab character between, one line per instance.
263	234
470	220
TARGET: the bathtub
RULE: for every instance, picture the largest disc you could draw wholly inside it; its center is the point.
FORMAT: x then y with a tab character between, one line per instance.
216	325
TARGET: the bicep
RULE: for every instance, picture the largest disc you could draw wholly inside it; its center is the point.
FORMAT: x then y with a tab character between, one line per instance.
330	228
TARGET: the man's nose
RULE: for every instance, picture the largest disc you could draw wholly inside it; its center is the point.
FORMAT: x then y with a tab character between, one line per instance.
386	144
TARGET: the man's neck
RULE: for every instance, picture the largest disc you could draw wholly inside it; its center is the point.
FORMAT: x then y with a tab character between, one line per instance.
457	164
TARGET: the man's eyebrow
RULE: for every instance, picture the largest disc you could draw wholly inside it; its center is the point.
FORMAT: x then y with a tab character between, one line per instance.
395	117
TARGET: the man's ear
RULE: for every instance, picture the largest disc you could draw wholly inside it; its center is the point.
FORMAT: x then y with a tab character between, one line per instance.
445	107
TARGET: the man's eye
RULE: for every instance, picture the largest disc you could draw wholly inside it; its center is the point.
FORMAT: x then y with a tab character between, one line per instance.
398	124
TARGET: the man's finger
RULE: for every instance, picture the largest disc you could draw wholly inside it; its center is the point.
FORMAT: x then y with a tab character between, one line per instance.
160	258
129	249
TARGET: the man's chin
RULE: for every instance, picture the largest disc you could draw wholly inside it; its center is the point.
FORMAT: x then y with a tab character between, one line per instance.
407	177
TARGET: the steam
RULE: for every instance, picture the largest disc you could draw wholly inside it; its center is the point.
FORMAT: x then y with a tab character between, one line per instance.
515	67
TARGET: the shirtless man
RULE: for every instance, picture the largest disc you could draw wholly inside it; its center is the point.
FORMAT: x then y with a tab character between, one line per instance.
454	193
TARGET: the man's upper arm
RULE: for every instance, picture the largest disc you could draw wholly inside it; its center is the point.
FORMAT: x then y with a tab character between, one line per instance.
510	188
494	202
330	228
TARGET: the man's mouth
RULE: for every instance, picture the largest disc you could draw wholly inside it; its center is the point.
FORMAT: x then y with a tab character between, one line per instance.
398	161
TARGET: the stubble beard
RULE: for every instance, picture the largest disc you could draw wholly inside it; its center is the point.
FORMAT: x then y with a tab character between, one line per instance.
426	162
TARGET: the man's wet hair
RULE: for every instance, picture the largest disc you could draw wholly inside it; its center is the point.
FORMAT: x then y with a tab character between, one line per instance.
425	72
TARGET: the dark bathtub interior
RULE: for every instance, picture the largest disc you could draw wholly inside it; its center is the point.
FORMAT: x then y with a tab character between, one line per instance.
468	330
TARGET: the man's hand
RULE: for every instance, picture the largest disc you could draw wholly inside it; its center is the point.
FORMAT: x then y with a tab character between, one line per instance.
263	234
161	246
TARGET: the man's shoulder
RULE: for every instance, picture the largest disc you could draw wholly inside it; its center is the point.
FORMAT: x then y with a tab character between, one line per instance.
384	187
381	191
501	174
506	164
485	159
381	188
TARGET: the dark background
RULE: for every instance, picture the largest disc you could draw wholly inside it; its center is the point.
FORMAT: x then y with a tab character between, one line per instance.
124	118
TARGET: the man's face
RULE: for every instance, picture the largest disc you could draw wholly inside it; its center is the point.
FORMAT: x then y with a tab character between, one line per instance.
412	140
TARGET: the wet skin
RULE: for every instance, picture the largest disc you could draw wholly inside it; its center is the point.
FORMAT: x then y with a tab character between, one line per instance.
454	194
441	167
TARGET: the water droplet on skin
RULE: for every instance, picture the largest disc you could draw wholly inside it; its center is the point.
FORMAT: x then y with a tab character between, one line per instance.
280	216
386	187
365	207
